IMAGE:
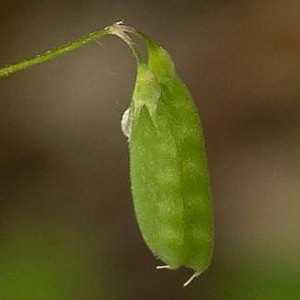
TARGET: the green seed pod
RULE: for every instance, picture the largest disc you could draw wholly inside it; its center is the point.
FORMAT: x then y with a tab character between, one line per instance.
169	176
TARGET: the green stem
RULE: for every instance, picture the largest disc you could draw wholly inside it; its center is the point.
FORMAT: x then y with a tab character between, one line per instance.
117	29
51	54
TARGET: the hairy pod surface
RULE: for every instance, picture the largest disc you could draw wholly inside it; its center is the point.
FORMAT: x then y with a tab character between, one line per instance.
169	176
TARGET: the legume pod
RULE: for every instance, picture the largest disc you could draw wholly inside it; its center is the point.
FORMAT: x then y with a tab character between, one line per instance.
168	166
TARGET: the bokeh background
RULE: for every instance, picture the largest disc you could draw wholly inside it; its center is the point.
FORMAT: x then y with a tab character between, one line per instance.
67	226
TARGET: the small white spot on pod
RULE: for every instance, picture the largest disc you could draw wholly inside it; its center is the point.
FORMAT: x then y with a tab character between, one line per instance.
126	123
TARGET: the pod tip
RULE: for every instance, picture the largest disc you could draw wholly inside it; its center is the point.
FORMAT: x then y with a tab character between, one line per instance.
195	275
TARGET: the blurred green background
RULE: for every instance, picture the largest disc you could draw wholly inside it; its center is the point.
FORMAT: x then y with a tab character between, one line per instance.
67	226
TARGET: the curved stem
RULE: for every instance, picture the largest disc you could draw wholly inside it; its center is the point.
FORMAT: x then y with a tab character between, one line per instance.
139	34
121	31
117	29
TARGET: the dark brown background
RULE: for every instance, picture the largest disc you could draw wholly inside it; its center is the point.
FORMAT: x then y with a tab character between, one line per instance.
64	162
